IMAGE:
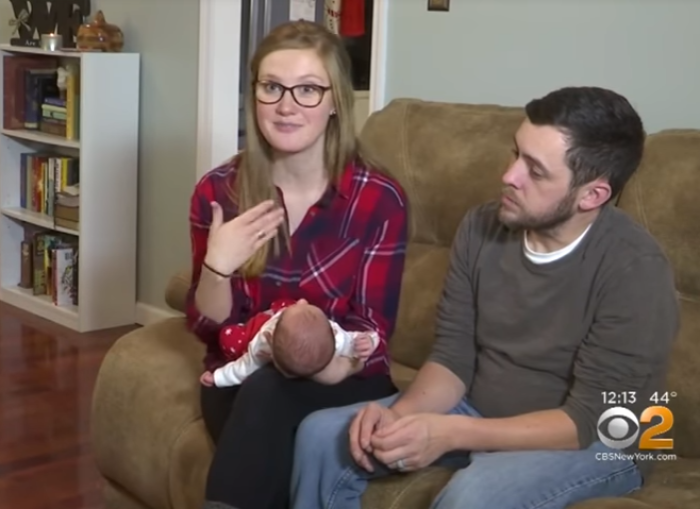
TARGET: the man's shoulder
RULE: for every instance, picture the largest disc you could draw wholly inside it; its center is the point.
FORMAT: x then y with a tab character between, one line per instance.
482	222
484	213
480	231
622	255
627	240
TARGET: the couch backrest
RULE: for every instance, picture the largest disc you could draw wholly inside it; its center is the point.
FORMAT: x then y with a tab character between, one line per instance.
664	196
448	157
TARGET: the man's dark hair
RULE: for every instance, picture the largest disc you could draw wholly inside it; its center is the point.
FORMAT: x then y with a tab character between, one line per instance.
606	135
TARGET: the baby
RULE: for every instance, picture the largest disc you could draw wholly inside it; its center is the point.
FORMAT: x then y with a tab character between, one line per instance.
302	342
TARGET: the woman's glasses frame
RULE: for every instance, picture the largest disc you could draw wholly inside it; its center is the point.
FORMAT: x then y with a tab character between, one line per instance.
322	89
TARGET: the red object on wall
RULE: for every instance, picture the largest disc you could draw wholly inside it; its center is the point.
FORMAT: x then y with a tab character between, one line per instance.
352	18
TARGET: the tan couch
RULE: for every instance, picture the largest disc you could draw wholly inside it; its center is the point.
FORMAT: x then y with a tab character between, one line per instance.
149	439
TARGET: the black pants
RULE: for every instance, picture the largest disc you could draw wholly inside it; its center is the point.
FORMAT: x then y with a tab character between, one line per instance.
254	425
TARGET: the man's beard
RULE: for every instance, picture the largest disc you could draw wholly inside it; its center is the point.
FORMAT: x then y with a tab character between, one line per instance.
550	220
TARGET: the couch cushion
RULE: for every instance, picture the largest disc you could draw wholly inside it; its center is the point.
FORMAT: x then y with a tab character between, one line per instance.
684	379
662	196
422	284
402	375
448	157
406	491
673	485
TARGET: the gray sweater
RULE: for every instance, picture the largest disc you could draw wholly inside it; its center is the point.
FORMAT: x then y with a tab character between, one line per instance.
525	337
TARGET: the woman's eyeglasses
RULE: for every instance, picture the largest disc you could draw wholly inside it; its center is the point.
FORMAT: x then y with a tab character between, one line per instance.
305	95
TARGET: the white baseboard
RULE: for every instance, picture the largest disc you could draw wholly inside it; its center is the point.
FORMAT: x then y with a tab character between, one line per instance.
147	314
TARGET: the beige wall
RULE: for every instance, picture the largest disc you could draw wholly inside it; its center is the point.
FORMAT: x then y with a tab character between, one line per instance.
166	33
508	51
361	109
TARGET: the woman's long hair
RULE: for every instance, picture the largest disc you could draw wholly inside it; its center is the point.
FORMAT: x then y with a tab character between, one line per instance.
254	175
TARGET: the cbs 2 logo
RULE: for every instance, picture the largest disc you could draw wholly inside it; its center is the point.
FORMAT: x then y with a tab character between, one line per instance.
614	428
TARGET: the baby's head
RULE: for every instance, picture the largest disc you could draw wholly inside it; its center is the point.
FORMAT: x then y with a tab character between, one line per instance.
303	342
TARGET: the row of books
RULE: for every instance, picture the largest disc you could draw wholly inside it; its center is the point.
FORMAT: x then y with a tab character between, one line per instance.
50	265
54	117
50	185
41	94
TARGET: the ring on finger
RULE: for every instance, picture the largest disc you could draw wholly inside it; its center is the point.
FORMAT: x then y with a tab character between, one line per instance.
401	465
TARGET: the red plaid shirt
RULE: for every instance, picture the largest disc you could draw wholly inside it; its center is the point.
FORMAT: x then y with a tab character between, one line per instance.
350	250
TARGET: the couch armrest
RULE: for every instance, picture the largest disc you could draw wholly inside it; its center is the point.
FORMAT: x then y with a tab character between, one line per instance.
146	394
176	291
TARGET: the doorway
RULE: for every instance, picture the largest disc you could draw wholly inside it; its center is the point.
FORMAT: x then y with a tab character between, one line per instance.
219	74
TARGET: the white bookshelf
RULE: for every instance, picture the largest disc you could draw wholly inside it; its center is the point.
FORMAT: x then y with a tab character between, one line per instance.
107	148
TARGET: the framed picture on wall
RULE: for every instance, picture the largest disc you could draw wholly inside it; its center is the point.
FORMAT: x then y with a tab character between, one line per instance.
438	5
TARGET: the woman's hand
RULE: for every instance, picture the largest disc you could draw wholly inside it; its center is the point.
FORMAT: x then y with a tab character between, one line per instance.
231	243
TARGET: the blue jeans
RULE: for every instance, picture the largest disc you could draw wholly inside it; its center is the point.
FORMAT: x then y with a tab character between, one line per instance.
326	477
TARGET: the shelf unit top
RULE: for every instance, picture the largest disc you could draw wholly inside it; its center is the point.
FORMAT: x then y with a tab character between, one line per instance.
66	53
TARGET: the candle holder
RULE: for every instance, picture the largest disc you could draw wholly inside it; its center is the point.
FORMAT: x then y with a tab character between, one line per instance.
51	42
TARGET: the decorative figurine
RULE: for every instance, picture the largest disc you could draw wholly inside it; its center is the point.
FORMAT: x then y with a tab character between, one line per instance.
62	81
100	36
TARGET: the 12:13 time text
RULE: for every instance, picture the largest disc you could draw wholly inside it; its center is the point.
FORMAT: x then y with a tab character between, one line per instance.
619	398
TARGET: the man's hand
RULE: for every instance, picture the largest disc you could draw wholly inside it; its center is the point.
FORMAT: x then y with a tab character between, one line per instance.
371	418
415	440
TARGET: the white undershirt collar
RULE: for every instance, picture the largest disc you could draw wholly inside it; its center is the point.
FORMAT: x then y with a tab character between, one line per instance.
541	258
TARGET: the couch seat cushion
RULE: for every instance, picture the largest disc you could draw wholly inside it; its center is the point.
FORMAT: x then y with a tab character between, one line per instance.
672	486
415	490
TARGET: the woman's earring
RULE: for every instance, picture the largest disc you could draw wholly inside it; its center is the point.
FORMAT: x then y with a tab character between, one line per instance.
332	113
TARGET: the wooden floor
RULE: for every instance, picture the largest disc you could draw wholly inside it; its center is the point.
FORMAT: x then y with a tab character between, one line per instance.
47	375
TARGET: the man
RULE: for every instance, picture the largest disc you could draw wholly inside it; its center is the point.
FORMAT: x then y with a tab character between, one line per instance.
553	299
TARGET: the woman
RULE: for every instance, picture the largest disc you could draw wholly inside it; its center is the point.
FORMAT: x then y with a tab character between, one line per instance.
298	214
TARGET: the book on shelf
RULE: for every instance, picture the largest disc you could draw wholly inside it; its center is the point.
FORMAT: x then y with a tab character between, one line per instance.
50	265
50	185
41	94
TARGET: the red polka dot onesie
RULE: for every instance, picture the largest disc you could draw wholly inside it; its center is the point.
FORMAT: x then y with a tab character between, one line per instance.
234	339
